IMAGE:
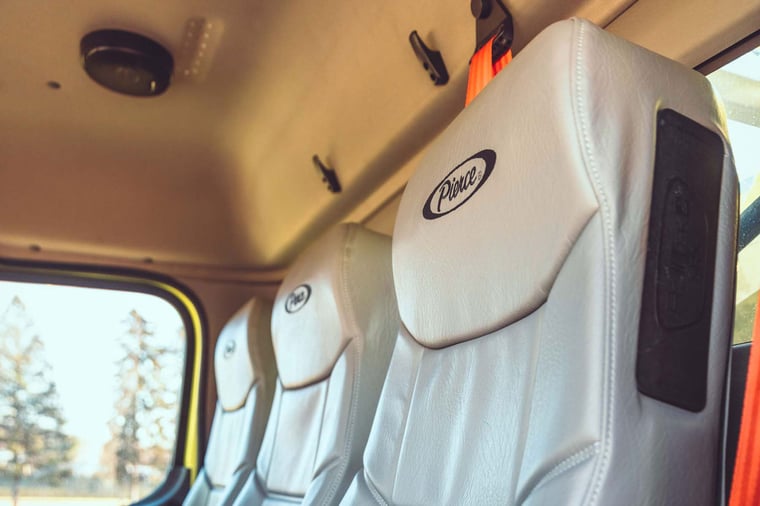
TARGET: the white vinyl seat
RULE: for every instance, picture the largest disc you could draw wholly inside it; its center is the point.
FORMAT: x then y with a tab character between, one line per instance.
334	323
245	376
563	261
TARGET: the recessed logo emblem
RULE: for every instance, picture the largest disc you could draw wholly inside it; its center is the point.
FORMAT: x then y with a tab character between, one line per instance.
459	185
229	348
681	269
297	298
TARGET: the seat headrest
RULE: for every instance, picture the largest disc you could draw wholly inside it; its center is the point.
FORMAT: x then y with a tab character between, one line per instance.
242	353
328	298
491	213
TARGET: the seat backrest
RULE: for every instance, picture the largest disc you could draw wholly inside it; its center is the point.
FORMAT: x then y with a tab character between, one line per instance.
334	323
245	377
563	261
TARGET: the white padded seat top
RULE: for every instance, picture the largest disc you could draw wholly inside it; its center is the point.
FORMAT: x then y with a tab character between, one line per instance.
244	355
334	323
557	345
245	378
338	289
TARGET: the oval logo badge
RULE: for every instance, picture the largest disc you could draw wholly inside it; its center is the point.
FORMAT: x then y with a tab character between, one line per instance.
297	298
229	348
459	185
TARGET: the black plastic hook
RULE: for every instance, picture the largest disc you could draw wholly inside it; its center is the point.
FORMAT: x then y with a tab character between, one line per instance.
432	61
329	176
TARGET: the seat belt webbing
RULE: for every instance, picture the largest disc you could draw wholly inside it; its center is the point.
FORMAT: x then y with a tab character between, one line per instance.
744	485
483	69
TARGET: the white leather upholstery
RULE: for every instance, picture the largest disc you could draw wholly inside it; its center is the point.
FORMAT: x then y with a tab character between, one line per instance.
245	377
334	323
340	305
513	379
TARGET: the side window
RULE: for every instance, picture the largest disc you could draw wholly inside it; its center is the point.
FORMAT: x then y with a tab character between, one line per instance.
91	384
738	84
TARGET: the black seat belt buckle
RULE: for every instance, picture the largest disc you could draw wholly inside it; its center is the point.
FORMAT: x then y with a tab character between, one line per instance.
492	20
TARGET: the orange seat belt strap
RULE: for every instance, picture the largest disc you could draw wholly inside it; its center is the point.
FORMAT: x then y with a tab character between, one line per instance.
483	69
744	486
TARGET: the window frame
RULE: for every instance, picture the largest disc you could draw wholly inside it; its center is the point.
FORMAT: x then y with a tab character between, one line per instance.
736	374
190	442
716	62
729	54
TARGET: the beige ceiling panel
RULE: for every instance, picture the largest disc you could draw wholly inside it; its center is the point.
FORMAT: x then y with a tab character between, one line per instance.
688	31
217	171
57	192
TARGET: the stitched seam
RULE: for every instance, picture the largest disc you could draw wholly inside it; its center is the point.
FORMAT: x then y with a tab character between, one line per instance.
562	467
277	495
349	431
254	318
373	490
348	301
528	410
245	400
406	423
208	481
233	488
345	287
321	424
326	376
609	246
274	439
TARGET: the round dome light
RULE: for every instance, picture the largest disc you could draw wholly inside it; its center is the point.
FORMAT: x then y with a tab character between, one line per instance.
127	62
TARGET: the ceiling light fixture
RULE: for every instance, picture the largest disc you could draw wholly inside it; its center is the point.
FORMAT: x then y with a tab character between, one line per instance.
127	62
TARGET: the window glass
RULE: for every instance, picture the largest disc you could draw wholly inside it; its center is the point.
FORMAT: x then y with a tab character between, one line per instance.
738	84
90	390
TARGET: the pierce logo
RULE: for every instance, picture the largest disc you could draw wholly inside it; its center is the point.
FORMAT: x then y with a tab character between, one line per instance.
459	185
297	298
229	348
